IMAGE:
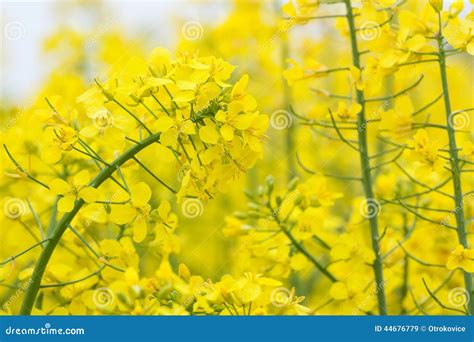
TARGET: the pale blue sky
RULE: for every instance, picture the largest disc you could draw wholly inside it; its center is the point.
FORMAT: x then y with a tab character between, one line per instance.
25	24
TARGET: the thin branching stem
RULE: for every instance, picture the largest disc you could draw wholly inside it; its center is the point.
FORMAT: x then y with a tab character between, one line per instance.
23	170
365	168
58	228
454	159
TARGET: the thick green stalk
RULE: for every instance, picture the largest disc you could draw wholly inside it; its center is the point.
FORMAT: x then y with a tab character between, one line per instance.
291	171
365	168
455	169
55	234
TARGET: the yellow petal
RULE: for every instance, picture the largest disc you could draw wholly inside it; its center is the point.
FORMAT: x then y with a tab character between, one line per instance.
66	203
221	116
470	48
94	212
298	262
81	178
140	229
404	104
227	132
88	194
51	155
164	209
244	121
339	291
183	272
122	214
89	131
59	186
239	87
163	123
141	194
208	135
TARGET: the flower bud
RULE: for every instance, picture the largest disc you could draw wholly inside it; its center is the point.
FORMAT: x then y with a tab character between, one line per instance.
437	5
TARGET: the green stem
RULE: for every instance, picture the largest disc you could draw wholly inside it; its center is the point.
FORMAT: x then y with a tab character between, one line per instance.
365	166
455	169
13	257
55	234
291	172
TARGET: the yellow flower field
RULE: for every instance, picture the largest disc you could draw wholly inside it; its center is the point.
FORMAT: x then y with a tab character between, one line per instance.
301	157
